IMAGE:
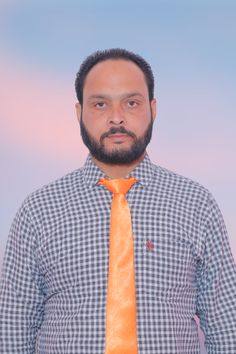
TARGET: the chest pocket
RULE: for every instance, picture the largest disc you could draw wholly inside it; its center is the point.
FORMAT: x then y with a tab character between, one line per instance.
169	264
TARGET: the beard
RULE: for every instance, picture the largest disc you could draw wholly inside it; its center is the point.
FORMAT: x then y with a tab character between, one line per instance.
116	156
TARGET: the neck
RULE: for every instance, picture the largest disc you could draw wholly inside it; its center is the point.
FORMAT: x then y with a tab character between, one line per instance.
117	171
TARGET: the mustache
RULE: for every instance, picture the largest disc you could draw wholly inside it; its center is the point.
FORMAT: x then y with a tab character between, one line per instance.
115	130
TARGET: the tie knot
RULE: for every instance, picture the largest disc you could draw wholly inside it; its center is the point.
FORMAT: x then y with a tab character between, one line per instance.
118	185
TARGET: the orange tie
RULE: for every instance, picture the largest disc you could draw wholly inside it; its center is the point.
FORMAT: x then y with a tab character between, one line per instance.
121	337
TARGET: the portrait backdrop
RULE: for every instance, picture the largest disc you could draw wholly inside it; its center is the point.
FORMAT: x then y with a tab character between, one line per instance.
192	49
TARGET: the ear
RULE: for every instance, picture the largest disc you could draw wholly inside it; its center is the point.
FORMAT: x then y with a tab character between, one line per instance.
153	105
78	109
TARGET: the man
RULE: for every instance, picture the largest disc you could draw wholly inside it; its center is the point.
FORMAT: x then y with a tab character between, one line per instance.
55	289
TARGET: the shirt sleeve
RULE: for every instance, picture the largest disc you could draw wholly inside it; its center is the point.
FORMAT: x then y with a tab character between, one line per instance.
216	300
21	297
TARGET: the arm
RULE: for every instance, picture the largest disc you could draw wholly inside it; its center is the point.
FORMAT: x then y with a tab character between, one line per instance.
216	302
21	298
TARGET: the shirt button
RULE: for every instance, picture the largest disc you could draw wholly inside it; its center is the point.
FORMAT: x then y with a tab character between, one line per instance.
149	245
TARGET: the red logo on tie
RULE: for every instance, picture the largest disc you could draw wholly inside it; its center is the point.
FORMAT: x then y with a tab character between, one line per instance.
150	245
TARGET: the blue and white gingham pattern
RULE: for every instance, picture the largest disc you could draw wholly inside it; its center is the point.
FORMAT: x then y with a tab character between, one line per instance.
54	280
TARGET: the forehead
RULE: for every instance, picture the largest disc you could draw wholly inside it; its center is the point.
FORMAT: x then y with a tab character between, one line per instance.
115	74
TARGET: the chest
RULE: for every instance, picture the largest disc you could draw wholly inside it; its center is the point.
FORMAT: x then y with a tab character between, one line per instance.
74	249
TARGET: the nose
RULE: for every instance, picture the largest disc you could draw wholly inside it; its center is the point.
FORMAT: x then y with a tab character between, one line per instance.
116	116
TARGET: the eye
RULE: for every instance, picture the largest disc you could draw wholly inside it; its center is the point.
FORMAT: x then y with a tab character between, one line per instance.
100	105
132	104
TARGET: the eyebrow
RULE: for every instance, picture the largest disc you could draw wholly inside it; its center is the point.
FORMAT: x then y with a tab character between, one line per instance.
125	95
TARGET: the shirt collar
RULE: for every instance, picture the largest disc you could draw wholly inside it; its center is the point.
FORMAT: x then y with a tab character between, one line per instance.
143	172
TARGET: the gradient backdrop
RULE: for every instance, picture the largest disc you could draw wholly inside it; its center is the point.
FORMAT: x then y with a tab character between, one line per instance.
191	46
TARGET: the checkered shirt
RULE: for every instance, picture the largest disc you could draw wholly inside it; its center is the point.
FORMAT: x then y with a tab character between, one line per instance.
54	279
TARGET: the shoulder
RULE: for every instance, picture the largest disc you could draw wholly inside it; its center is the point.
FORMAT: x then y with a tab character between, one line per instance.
175	179
186	196
55	193
180	187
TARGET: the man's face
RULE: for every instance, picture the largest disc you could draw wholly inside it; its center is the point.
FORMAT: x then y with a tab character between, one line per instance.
116	118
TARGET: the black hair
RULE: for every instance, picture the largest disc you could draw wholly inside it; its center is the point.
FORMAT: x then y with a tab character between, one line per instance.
113	53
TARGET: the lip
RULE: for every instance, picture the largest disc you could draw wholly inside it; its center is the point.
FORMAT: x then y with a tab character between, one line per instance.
118	136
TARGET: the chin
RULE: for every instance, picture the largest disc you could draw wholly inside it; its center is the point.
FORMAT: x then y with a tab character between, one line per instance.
117	148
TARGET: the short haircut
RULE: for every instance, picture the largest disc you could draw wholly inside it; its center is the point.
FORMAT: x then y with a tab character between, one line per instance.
114	54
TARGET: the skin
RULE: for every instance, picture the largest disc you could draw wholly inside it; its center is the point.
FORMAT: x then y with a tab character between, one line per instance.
116	94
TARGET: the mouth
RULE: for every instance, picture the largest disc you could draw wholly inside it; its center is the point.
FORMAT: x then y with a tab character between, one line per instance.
118	137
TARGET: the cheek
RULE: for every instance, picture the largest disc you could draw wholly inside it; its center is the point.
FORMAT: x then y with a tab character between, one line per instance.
93	122
140	124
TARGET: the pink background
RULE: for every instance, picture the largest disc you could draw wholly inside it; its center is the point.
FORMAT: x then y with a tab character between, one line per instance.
191	48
